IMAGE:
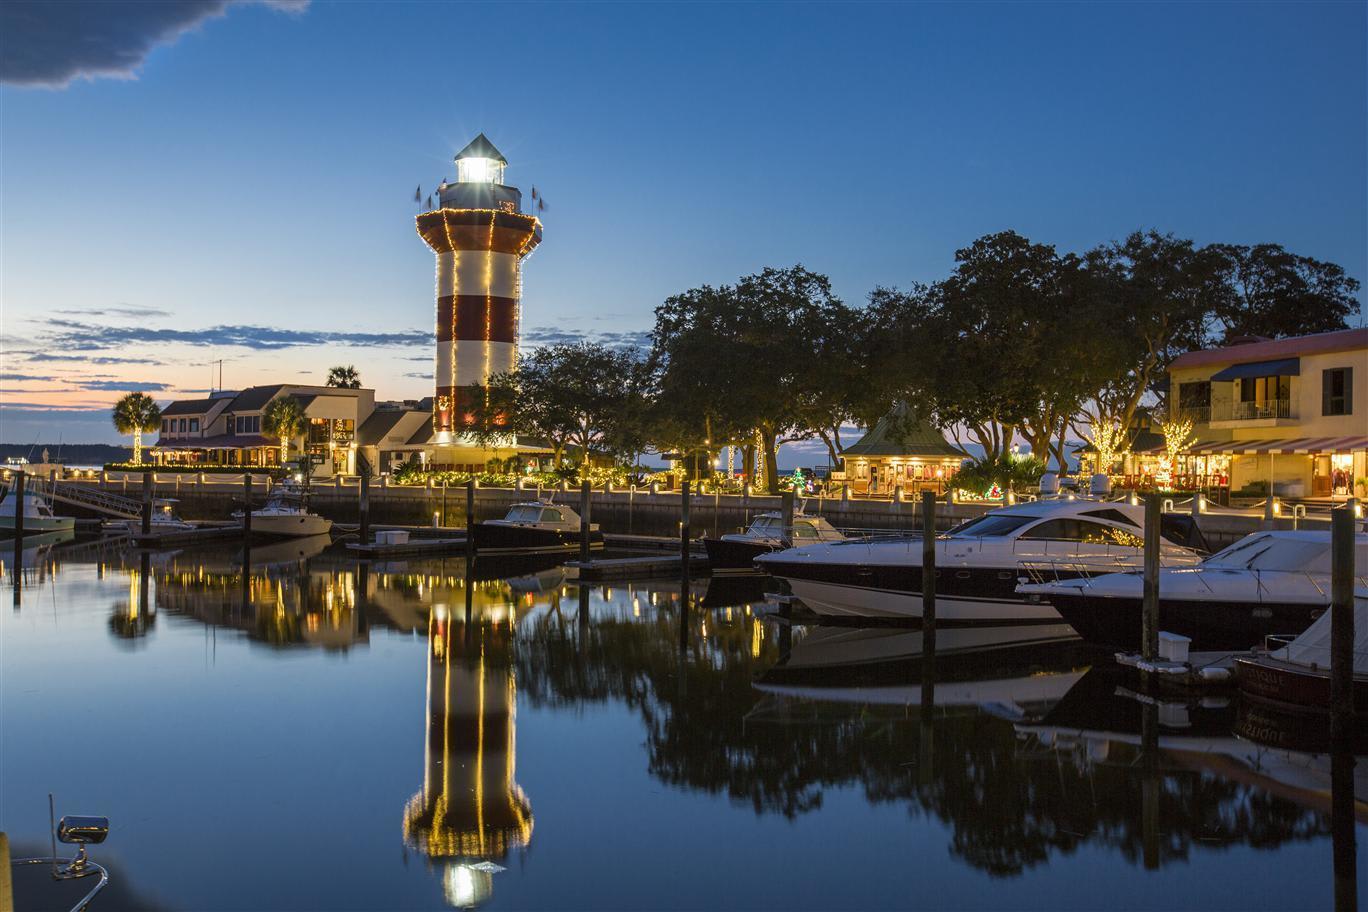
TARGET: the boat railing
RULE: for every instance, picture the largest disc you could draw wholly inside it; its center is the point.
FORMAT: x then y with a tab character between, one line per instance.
1057	571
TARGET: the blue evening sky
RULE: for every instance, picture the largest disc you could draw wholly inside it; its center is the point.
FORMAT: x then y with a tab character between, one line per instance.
258	173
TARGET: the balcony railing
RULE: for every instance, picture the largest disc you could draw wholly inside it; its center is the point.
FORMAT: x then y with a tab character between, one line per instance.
1197	414
1253	411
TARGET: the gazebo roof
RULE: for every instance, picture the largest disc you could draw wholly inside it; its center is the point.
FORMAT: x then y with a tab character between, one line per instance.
899	434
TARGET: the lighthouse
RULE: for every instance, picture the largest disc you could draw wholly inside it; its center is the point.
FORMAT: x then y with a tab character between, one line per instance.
480	236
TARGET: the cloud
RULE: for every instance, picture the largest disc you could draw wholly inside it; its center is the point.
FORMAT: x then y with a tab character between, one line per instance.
87	336
86	359
51	43
418	375
122	386
118	312
26	378
550	335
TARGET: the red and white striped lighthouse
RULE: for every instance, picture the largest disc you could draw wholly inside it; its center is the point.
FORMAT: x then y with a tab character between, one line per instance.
480	235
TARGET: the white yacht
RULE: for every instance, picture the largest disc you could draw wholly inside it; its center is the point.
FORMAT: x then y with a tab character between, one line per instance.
737	551
164	519
37	513
286	514
978	563
1267	583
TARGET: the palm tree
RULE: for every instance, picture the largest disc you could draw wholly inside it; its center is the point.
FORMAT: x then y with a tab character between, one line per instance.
283	418
344	377
134	414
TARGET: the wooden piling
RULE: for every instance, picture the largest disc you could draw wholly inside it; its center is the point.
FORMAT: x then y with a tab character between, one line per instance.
147	503
929	571
246	512
786	512
470	520
363	508
18	494
1149	623
684	528
1341	616
585	507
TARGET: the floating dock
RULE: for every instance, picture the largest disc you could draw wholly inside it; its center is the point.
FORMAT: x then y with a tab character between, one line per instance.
414	547
179	538
620	568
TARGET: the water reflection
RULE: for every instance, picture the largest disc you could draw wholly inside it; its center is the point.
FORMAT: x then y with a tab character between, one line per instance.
470	813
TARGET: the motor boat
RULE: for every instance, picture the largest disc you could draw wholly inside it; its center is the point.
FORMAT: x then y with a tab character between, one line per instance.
42	880
286	514
737	551
37	513
531	528
978	563
1296	673
1267	583
164	519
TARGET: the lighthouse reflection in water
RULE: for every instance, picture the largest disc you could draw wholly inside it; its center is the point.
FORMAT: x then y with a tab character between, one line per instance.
470	813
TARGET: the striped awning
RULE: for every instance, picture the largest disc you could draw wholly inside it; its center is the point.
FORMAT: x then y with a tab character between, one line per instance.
1285	445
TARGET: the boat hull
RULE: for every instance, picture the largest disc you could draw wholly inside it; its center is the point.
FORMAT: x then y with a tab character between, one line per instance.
39	524
290	525
1211	625
734	556
852	602
1295	687
497	538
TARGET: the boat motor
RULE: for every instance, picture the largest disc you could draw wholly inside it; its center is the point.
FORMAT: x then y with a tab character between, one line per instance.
1100	486
1049	485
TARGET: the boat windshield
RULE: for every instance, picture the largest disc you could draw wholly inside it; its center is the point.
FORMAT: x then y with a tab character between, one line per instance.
992	525
523	513
1268	552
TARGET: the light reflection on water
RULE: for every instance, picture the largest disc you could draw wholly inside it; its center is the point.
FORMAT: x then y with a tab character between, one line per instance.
515	739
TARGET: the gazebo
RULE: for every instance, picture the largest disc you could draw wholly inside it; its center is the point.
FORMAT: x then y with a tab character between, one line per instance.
900	450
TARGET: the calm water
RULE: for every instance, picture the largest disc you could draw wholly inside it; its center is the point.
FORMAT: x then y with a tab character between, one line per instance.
312	735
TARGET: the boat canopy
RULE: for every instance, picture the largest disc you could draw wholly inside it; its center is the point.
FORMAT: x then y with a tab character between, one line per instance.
1313	646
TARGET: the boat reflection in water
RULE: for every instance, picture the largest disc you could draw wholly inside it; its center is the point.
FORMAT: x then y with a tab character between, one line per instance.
470	813
1016	671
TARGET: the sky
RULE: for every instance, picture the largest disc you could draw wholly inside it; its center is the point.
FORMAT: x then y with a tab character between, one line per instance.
187	183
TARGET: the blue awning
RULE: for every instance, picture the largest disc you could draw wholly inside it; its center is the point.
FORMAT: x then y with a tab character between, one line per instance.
1286	367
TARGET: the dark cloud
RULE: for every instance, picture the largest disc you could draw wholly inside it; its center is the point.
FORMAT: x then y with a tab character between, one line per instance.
121	386
419	376
26	378
548	335
87	359
118	312
87	336
50	43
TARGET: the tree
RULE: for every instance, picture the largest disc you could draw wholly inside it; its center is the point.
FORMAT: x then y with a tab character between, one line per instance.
738	362
136	414
283	418
1267	291
344	377
571	395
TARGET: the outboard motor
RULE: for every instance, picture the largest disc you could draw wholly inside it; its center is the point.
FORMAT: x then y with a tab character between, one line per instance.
1049	485
1100	486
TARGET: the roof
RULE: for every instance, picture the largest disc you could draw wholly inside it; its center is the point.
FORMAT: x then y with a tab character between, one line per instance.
1275	349
899	434
422	435
375	427
481	147
255	397
1283	367
189	406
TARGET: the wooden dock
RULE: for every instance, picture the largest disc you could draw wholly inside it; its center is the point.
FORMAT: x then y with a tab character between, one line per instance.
180	538
414	547
650	567
641	542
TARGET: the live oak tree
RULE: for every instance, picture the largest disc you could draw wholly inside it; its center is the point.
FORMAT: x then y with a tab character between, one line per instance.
584	395
1268	291
136	414
742	361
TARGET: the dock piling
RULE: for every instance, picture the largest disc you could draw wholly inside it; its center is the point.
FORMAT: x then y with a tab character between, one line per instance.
470	521
18	495
1149	624
246	512
684	528
786	512
928	571
1341	614
147	503
585	507
363	507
